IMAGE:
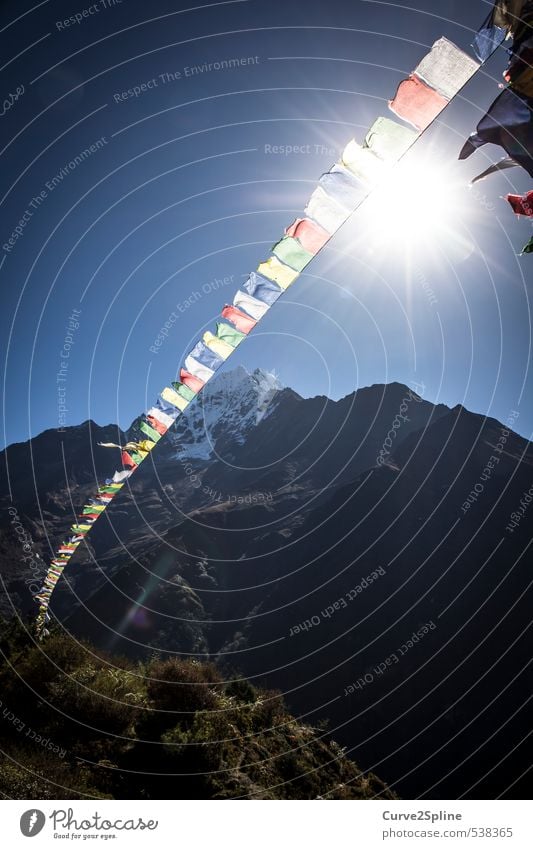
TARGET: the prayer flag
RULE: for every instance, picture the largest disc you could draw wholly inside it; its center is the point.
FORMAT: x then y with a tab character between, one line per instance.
151	433
253	306
389	140
184	391
229	334
325	211
139	456
417	103
242	322
145	446
522	204
262	288
446	68
311	236
341	185
217	345
200	371
156	424
363	162
487	39
275	270
203	355
290	251
127	460
191	380
173	398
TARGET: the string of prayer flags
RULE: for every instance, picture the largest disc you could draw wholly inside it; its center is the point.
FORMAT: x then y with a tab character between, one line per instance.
417	103
436	79
446	68
522	204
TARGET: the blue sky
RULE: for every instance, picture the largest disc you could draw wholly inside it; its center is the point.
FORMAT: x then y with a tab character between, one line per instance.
196	176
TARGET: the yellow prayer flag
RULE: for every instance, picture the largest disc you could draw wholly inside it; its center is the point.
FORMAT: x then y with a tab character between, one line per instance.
173	398
363	162
217	345
278	272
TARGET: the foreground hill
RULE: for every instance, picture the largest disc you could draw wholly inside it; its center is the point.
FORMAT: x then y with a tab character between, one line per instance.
79	724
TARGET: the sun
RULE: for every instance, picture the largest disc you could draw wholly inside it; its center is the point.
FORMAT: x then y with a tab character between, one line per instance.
416	208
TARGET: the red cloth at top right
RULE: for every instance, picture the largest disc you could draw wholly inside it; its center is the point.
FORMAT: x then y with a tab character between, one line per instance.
522	204
417	103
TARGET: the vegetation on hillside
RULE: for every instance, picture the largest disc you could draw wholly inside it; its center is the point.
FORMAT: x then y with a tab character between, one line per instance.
77	723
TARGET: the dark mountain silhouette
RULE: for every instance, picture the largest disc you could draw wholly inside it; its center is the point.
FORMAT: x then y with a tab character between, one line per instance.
355	554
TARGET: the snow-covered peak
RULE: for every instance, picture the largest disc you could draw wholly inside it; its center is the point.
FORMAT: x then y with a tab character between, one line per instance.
231	404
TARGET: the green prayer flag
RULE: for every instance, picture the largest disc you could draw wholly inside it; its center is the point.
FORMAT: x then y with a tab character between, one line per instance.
183	390
93	508
528	249
389	140
229	334
290	251
150	432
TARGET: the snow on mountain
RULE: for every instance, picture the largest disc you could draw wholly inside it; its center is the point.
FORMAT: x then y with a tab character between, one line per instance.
226	411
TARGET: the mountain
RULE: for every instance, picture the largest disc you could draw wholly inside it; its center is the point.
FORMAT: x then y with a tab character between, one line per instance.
356	554
246	437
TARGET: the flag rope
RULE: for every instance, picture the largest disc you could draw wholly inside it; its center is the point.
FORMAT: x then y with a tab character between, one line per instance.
325	214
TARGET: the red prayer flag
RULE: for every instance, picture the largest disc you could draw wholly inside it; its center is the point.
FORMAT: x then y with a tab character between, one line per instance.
194	383
522	204
417	103
311	235
127	460
157	425
241	321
